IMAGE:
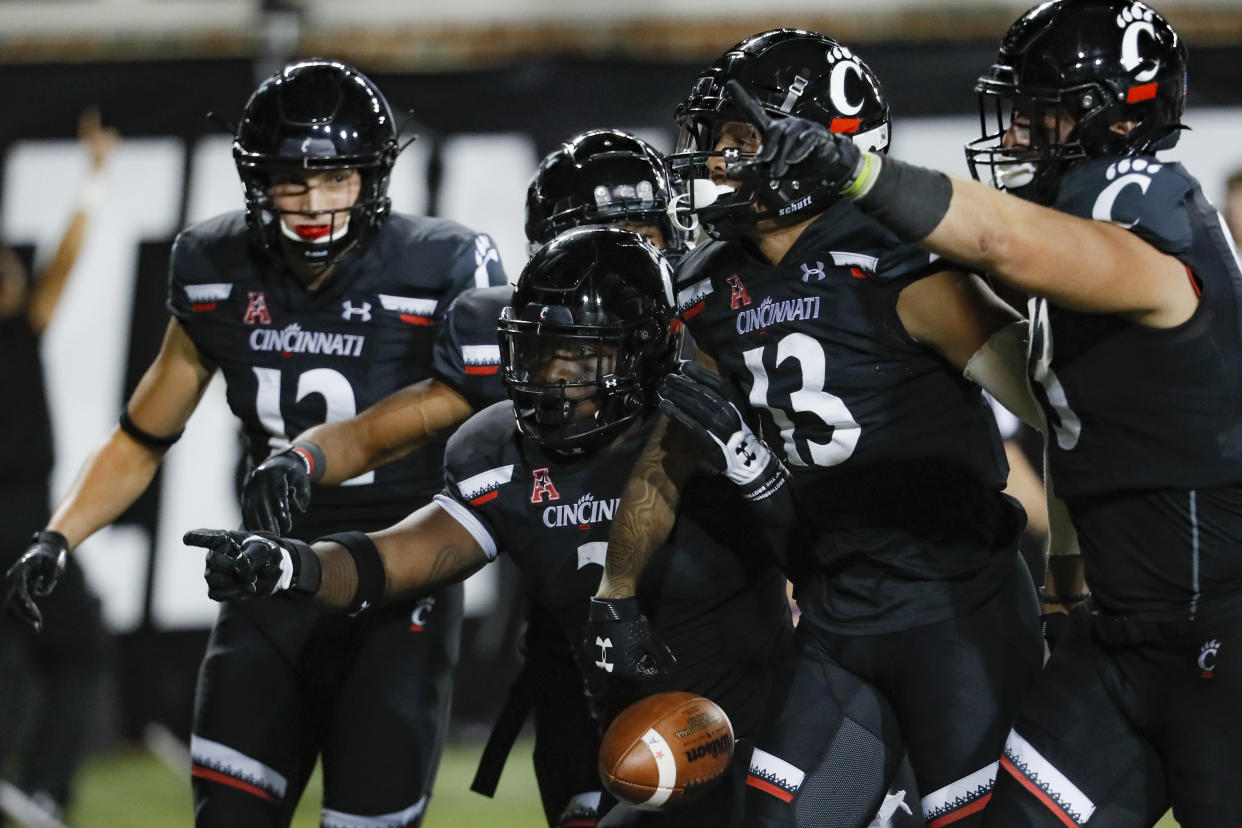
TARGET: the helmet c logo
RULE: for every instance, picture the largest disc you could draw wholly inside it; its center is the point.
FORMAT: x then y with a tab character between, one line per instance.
1136	20
836	86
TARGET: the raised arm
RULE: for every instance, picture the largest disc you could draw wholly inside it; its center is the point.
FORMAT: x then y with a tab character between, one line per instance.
49	283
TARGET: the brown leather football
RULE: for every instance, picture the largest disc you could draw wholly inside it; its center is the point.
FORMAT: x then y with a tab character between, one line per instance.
665	748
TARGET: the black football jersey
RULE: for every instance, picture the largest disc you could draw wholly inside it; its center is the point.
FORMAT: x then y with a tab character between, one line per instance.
469	356
1146	442
896	456
711	591
292	359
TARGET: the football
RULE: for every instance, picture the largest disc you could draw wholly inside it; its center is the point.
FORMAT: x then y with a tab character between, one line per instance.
665	748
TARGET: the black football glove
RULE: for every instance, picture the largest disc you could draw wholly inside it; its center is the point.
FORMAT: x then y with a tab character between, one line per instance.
248	564
35	575
698	400
793	148
621	643
281	484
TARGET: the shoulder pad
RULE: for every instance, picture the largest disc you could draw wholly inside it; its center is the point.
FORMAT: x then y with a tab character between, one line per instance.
1143	195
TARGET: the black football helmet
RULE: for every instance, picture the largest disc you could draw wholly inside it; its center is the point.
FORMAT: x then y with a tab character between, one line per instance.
791	72
1086	63
588	334
315	115
601	176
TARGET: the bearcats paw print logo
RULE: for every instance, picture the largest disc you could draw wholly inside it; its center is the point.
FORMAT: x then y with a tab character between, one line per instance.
1136	20
1126	165
1127	172
844	63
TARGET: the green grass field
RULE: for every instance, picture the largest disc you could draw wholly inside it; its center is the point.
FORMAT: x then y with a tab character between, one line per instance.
131	789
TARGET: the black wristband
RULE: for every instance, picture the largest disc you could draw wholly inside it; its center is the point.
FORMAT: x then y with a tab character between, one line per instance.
54	538
312	455
146	438
911	201
372	582
307	573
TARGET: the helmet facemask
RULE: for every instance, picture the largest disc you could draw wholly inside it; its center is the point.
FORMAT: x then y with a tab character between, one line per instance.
574	387
362	217
588	335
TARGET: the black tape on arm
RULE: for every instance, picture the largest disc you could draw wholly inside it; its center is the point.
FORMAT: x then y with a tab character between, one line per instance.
911	201
146	438
372	581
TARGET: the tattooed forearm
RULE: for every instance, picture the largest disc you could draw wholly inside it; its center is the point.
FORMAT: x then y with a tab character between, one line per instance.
646	515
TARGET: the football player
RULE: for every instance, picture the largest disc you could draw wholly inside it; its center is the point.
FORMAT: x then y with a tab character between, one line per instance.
314	302
852	354
600	176
588	335
1136	349
69	660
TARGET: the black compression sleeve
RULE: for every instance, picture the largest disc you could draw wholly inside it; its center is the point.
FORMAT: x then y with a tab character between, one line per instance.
372	582
911	201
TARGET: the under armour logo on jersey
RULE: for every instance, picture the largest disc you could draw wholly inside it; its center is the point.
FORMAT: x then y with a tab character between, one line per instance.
348	310
603	663
543	487
610	381
817	272
1134	21
739	296
256	309
1207	658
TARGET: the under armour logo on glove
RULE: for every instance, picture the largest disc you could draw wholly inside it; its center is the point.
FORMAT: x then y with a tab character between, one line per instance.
618	628
603	663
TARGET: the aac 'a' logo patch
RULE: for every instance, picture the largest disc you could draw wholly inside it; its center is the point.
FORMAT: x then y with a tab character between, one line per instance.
256	309
738	297
543	488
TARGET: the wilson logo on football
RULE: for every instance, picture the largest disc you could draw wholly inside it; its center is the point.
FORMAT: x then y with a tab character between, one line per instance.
586	511
543	488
